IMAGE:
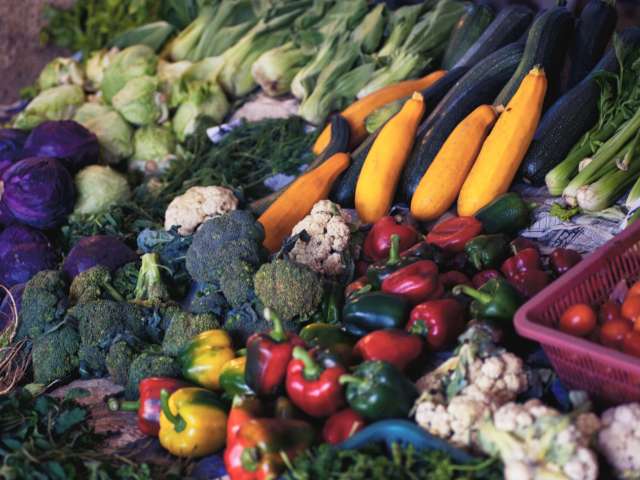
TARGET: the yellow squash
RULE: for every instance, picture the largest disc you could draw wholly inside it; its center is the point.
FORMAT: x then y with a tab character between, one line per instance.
357	112
443	179
378	179
505	147
298	199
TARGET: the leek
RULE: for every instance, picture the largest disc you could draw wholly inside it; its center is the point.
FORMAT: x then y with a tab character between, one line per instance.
369	33
275	69
179	48
401	22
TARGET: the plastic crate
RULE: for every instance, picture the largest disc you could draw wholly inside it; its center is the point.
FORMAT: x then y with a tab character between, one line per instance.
611	377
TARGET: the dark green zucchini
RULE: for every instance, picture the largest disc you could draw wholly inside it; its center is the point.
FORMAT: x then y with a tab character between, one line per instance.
596	24
547	44
344	188
569	118
507	27
465	33
479	86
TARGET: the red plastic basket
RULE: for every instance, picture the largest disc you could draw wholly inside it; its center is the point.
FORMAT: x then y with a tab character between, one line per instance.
611	377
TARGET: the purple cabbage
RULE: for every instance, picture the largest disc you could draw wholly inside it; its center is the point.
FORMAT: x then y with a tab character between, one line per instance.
38	192
68	141
7	312
23	253
106	250
11	143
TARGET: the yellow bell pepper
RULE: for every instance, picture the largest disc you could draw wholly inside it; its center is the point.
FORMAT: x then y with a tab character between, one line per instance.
204	356
193	422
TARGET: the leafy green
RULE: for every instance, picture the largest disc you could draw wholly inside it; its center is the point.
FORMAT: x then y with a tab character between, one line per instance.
564	213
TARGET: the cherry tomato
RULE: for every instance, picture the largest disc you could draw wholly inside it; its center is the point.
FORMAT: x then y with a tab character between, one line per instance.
631	344
579	320
635	289
631	307
612	333
609	310
452	234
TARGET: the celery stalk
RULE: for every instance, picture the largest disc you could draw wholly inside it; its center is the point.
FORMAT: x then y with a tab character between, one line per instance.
604	192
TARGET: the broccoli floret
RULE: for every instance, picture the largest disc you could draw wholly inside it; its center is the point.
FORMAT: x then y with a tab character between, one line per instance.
244	321
93	284
288	288
236	283
44	303
150	288
183	327
205	298
149	364
54	355
118	361
125	279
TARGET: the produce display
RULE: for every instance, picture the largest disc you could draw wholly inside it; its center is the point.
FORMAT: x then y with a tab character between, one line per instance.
328	293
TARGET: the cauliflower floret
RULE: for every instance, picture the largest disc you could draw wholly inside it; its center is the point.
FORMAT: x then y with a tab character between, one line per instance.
196	206
500	376
328	235
619	439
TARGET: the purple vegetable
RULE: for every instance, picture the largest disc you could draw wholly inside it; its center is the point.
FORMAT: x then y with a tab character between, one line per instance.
106	250
68	141
11	143
23	253
8	308
39	192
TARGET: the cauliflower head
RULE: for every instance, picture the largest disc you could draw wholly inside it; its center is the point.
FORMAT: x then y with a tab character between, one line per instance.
196	206
326	240
619	439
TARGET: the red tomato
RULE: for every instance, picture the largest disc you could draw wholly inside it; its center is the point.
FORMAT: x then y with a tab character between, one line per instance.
631	344
579	320
635	289
612	333
631	307
452	234
609	310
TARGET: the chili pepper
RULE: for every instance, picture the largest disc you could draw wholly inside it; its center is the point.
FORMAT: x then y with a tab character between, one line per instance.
355	286
452	278
232	379
193	422
341	425
204	356
438	321
484	276
148	405
330	337
495	300
394	346
268	355
524	260
452	234
381	270
378	390
378	241
258	448
485	251
562	259
331	306
529	282
521	243
416	282
314	390
374	311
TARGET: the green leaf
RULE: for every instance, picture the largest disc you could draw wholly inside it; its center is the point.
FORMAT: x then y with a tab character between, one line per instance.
56	471
75	393
564	213
12	443
68	419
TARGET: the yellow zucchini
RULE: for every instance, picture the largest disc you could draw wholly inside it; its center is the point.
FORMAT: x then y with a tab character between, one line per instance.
380	173
505	147
442	181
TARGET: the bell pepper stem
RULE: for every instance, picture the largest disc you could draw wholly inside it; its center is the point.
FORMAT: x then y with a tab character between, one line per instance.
178	422
420	328
277	332
311	369
394	250
116	405
473	293
249	459
344	379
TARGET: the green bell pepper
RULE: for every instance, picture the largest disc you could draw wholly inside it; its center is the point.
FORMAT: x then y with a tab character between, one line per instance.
374	311
495	300
378	390
331	338
331	306
487	251
508	213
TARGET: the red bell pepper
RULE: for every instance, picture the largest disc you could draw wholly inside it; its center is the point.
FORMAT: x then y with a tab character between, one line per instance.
268	355
393	346
341	425
242	410
521	243
416	282
314	390
483	277
355	286
522	261
563	259
148	405
378	241
438	321
452	234
452	278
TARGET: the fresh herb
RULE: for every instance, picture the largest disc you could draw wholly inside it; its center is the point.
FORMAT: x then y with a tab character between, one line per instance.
374	463
564	213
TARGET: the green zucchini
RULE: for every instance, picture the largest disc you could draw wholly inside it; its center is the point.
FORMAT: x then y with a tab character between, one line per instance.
465	33
547	44
506	214
507	27
479	86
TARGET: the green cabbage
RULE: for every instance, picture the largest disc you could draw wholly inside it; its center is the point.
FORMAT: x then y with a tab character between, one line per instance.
113	132
57	103
95	67
154	148
130	63
203	100
99	187
140	102
60	71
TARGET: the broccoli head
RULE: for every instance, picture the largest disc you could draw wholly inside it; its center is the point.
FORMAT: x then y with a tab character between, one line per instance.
183	327
205	298
125	279
244	321
236	283
150	288
118	361
288	288
54	355
149	364
44	303
93	284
